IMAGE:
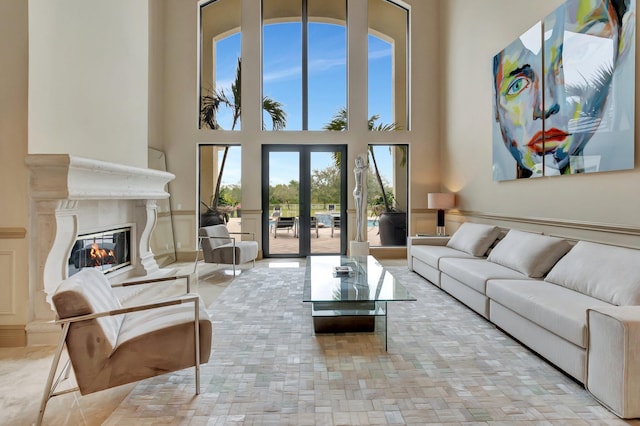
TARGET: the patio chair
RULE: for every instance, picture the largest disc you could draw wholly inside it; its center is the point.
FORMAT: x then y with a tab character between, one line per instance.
219	246
313	226
283	222
111	345
335	224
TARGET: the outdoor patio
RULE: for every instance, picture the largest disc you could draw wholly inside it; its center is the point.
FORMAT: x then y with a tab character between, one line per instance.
287	241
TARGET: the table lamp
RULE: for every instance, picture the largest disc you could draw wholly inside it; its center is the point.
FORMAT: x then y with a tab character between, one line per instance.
441	201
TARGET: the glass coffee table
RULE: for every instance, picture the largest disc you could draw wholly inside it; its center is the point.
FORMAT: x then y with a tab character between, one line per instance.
353	299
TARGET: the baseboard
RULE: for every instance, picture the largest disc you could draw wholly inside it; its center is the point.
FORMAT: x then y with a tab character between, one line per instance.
388	252
13	336
42	333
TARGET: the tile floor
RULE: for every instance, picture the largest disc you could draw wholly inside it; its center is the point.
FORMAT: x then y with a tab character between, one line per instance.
458	375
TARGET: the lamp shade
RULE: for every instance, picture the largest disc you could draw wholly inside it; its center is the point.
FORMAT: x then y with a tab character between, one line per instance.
441	201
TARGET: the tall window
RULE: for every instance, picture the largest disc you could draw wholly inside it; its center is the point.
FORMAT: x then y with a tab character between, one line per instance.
304	65
388	65
220	190
220	65
305	61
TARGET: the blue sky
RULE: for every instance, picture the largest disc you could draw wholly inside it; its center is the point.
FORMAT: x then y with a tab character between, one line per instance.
282	81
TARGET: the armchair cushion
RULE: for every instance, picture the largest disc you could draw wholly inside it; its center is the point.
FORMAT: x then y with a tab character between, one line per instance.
88	292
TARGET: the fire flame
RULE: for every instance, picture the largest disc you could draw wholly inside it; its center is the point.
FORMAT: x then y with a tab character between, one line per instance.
101	256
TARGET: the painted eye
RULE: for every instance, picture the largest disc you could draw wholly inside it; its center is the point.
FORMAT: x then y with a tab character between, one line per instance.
517	86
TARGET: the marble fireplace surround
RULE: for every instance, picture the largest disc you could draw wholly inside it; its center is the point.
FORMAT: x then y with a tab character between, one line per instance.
71	196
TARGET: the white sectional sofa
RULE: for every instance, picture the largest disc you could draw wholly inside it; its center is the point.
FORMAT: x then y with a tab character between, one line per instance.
575	304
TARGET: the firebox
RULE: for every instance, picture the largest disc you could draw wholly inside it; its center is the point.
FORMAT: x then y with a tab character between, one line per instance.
106	251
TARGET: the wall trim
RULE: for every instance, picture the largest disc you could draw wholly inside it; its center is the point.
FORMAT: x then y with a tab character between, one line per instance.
13	336
12	233
562	223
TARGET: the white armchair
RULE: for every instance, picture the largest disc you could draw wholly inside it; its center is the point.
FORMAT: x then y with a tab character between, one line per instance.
220	246
111	345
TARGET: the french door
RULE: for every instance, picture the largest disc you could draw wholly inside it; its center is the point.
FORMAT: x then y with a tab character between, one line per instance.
304	200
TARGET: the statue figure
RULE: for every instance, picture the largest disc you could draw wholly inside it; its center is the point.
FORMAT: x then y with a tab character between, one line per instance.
360	194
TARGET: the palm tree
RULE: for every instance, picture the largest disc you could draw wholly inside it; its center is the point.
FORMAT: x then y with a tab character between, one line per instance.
209	106
339	123
211	102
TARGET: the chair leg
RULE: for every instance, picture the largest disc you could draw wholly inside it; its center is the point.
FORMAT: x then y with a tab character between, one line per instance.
50	388
196	328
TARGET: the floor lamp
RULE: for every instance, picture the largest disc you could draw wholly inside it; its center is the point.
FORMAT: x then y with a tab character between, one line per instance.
441	202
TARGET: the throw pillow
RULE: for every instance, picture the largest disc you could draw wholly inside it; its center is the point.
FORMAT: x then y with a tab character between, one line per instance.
474	238
528	253
608	273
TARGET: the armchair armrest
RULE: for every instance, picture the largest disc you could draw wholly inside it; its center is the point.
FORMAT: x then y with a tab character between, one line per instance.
156	280
253	234
613	358
188	298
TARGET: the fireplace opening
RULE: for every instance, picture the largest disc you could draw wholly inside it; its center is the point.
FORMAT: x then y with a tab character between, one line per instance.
106	251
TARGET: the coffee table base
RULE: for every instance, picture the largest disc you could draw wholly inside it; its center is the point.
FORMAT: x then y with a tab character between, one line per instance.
350	317
344	324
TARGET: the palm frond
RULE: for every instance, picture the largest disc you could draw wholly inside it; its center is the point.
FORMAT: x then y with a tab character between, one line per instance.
276	112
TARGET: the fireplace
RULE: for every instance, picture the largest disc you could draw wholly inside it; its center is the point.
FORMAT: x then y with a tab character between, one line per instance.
77	202
106	251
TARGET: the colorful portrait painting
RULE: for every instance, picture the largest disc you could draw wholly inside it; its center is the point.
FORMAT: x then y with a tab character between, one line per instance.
564	93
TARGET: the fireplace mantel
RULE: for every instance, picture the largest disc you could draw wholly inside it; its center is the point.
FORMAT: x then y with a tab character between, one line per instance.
66	177
72	195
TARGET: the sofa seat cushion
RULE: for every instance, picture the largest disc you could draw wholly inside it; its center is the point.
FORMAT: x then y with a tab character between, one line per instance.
554	308
474	238
431	255
475	273
608	273
531	254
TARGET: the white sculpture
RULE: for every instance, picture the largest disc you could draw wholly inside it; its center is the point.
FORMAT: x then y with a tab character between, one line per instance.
360	194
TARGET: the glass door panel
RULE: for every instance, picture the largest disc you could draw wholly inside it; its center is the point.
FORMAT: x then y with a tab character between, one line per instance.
304	202
326	203
284	203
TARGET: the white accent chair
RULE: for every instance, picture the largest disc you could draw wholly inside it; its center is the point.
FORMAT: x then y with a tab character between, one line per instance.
220	246
111	345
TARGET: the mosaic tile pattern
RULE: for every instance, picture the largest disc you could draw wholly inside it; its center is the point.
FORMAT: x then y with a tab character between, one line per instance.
445	365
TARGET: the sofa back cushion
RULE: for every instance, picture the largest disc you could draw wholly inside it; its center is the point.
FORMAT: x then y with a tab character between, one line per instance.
608	273
530	254
474	238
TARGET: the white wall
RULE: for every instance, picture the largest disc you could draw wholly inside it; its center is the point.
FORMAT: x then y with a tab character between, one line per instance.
156	74
14	217
89	79
474	32
181	112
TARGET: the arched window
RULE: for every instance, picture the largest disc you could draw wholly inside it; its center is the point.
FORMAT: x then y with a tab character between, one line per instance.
220	65
388	65
304	64
305	60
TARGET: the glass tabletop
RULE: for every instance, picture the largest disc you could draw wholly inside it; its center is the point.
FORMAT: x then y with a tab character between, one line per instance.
367	280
